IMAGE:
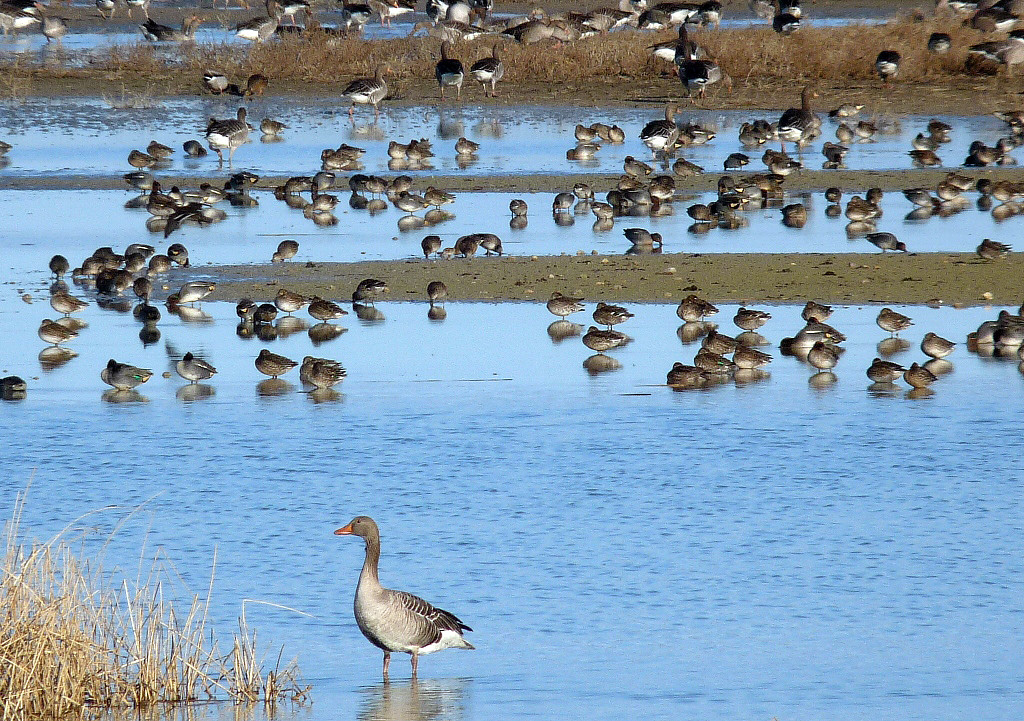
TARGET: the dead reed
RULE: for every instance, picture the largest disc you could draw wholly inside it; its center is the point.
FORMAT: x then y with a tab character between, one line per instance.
74	637
753	55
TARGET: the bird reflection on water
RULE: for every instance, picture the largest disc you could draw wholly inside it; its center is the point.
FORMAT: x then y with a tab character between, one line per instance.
415	700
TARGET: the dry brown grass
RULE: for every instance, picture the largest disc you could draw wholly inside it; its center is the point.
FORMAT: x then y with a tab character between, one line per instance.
754	56
73	637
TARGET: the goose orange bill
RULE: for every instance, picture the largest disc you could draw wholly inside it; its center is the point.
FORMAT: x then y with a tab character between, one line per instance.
346	531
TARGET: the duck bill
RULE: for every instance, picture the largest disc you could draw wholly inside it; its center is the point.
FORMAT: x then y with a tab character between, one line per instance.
345	531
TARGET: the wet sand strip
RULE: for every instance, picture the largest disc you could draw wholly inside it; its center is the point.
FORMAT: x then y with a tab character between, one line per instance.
917	278
850	181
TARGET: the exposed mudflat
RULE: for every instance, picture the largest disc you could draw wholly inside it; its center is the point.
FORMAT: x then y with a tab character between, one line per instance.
934	278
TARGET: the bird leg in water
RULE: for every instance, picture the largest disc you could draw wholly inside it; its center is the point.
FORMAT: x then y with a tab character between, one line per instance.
387	662
415	663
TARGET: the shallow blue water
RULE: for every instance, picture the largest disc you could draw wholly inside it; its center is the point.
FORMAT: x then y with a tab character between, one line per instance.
750	550
89	136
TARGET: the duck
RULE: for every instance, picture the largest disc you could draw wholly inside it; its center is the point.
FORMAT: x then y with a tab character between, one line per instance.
661	135
437	292
369	290
935	346
321	372
747	358
684	376
563	305
157	33
66	304
55	333
602	340
430	245
992	250
325	310
750	318
823	356
231	133
286	250
124	377
894	322
367	91
194	369
449	71
608	315
397	621
694	308
917	376
289	302
272	364
59	265
489	71
642	238
886	241
883	371
816	312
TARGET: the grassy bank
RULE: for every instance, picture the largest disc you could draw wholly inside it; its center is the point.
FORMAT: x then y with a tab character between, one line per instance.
75	637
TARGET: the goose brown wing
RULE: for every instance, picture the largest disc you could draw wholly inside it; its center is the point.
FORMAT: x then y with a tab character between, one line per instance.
437	619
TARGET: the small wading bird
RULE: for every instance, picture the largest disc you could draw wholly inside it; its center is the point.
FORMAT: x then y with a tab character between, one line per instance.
396	621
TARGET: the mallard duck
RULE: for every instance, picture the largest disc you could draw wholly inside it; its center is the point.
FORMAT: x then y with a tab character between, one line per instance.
272	364
894	322
124	377
562	305
194	369
694	308
396	621
488	71
367	91
449	71
230	133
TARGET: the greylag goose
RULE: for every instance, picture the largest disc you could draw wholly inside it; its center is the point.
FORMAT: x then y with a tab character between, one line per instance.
488	71
230	134
396	620
700	74
367	91
661	134
449	71
887	65
157	33
260	28
796	123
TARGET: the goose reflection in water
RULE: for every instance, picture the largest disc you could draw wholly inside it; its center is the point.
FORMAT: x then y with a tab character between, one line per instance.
414	700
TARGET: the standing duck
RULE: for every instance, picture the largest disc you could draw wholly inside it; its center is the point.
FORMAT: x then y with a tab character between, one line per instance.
396	620
449	71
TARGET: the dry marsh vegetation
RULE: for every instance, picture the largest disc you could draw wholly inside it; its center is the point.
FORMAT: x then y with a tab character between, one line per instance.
75	638
754	55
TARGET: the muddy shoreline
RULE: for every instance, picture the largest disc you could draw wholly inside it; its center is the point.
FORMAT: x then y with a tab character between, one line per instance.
956	279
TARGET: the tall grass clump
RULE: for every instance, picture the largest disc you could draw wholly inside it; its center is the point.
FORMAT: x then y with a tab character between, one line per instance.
74	637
